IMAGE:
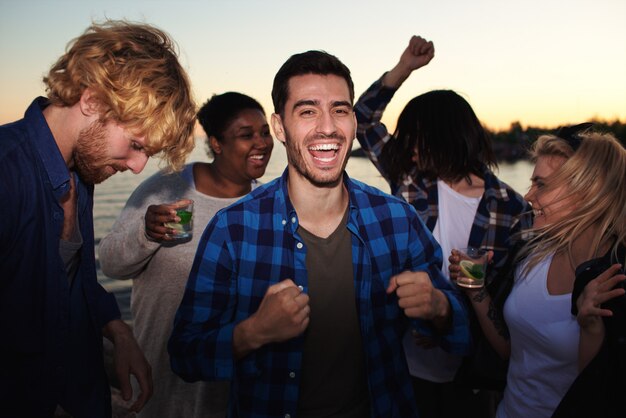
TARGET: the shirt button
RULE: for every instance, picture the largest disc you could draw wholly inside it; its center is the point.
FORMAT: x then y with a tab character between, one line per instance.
293	220
292	374
284	222
299	245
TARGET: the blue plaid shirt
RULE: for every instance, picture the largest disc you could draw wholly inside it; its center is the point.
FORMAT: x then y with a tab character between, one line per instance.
498	217
254	244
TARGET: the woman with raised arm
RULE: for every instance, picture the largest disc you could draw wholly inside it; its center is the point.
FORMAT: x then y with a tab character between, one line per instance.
440	159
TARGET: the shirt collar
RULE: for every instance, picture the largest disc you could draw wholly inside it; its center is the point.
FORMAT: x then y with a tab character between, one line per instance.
290	217
46	146
494	189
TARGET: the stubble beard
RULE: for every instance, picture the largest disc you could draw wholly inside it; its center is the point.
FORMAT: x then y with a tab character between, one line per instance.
296	160
90	156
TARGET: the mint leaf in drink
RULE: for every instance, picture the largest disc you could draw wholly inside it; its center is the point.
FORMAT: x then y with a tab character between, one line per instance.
184	215
477	271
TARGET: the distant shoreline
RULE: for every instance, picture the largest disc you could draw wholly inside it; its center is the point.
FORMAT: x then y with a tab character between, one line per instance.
504	153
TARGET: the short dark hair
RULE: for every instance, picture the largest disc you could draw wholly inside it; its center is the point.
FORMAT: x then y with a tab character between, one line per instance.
220	110
310	62
442	130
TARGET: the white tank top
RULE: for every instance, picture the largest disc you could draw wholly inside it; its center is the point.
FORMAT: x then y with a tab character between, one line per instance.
452	230
544	346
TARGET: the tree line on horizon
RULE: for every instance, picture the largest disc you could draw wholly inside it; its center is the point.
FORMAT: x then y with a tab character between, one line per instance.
512	145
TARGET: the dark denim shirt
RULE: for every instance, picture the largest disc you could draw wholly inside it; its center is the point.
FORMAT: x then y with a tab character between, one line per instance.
51	344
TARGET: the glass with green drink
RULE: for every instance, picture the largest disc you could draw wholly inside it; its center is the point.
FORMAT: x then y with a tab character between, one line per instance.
183	228
473	267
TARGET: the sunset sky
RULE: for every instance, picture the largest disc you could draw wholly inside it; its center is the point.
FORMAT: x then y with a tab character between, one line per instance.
540	62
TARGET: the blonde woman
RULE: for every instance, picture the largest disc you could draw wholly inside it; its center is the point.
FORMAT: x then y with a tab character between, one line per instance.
578	195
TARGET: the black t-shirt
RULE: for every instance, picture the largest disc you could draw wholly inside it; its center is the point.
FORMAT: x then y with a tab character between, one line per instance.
333	381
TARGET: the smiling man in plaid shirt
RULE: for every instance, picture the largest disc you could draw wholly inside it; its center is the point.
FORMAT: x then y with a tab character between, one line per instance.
301	291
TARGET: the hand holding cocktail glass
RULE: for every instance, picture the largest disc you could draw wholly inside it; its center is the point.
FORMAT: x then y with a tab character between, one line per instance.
169	221
468	267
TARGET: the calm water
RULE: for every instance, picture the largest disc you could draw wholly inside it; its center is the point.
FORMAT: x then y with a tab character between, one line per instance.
111	196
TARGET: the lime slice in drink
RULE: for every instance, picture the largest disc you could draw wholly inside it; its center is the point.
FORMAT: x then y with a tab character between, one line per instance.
184	215
471	270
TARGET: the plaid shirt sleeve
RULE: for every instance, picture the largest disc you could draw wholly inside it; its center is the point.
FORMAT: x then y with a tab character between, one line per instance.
398	239
500	217
200	346
389	239
246	248
371	133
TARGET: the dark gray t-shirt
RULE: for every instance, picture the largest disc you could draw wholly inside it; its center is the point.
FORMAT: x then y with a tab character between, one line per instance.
69	252
333	381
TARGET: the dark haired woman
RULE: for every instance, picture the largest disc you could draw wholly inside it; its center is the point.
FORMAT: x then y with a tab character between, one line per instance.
141	247
439	159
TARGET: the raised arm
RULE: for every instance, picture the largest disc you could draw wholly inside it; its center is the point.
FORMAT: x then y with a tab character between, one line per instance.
372	134
417	54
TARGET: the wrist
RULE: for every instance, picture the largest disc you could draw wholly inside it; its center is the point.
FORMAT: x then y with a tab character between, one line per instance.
476	295
396	76
591	327
246	338
443	306
442	317
117	329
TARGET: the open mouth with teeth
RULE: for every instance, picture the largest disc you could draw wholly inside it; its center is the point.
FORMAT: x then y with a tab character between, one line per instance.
324	153
258	159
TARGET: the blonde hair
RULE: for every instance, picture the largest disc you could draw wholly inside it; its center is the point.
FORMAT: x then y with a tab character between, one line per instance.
594	177
137	80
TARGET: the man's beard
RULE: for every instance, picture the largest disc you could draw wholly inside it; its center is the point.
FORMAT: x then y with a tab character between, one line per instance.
296	159
90	155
